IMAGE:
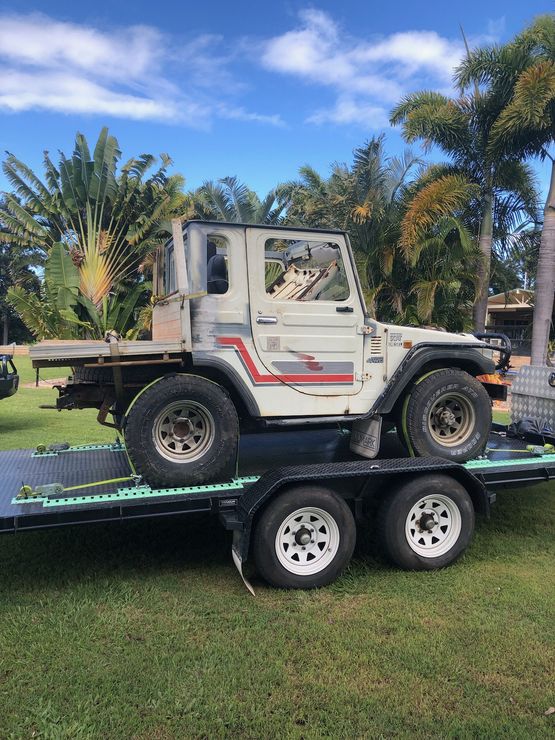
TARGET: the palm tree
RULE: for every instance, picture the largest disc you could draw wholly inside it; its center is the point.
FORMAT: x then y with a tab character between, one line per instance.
406	265
365	200
107	221
17	267
94	227
462	129
524	71
229	200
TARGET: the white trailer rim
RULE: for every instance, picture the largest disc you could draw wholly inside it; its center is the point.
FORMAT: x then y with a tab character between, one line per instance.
433	525
307	541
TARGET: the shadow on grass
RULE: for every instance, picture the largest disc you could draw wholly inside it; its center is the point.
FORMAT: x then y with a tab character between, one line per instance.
16	423
68	555
198	543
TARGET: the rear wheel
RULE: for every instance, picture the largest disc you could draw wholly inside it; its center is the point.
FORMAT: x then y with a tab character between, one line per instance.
448	414
426	523
182	430
304	538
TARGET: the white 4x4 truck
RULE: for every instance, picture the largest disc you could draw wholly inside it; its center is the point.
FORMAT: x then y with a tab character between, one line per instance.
264	326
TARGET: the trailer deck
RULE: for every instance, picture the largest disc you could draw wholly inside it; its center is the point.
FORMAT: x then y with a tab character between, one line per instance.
93	483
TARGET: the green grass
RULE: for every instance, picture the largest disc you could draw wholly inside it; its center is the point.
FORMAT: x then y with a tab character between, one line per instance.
23	424
146	631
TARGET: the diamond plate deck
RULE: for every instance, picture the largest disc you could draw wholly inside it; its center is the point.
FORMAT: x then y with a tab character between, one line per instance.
269	459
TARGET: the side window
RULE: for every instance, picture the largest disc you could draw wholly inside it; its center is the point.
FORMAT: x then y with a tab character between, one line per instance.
217	275
305	270
168	281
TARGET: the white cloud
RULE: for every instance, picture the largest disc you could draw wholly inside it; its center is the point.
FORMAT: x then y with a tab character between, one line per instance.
347	110
52	65
364	74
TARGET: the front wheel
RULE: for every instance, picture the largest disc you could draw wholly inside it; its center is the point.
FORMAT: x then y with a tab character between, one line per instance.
426	523
448	414
304	538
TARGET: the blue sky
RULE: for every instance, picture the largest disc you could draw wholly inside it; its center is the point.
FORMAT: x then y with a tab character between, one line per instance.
230	88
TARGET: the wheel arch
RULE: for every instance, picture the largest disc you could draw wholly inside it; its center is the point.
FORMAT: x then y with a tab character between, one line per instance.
426	360
214	368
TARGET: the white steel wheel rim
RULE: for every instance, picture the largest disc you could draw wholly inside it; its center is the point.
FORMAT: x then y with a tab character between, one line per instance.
307	541
183	431
433	526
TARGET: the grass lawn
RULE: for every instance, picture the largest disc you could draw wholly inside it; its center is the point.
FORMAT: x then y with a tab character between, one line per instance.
145	630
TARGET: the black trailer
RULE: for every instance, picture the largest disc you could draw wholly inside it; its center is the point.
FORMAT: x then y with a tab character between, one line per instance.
295	502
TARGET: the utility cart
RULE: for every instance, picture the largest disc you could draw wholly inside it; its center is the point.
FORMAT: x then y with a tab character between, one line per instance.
294	502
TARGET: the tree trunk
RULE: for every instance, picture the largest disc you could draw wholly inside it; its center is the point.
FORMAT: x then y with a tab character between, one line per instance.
5	327
545	280
486	232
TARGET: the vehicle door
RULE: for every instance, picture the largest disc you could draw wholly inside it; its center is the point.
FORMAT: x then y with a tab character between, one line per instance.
305	310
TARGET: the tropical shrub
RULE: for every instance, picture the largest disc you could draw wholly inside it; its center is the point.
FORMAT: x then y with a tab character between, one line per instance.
95	226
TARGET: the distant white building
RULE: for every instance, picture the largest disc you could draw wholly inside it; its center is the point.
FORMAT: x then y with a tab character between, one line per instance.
511	313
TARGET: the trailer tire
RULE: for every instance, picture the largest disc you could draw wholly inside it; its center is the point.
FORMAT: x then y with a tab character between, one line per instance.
182	430
316	552
448	414
426	523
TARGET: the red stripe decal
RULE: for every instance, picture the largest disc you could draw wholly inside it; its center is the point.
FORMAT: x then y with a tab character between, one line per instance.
258	377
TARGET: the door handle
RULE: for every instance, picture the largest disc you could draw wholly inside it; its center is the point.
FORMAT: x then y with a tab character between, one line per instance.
266	320
344	309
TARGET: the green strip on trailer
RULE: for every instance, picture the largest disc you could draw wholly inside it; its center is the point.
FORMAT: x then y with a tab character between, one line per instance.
137	492
532	460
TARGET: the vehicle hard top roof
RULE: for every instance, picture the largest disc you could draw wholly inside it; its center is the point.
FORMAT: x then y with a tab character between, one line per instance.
262	226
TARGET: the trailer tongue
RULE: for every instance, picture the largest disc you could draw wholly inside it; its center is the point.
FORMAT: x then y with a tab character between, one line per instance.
95	483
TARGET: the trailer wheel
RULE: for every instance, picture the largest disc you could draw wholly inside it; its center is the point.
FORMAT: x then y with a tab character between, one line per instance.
448	414
304	538
426	523
181	431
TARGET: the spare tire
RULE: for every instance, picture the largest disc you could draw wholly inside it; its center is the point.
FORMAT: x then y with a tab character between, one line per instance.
182	430
103	375
97	375
448	414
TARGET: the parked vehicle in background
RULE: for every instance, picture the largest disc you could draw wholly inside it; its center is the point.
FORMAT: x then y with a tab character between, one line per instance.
9	379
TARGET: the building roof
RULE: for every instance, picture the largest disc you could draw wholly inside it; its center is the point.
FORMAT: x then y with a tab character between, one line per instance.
512	300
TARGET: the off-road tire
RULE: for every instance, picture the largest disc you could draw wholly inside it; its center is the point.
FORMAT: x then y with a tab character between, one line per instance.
182	430
449	509
329	522
96	375
448	414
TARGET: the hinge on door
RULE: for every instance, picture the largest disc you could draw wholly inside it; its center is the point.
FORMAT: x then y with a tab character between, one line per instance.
361	377
364	329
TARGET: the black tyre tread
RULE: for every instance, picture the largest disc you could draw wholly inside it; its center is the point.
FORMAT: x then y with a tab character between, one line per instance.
392	515
104	375
273	515
219	458
421	443
95	375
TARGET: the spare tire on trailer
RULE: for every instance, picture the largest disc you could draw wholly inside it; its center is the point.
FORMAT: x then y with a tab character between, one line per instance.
182	430
448	414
